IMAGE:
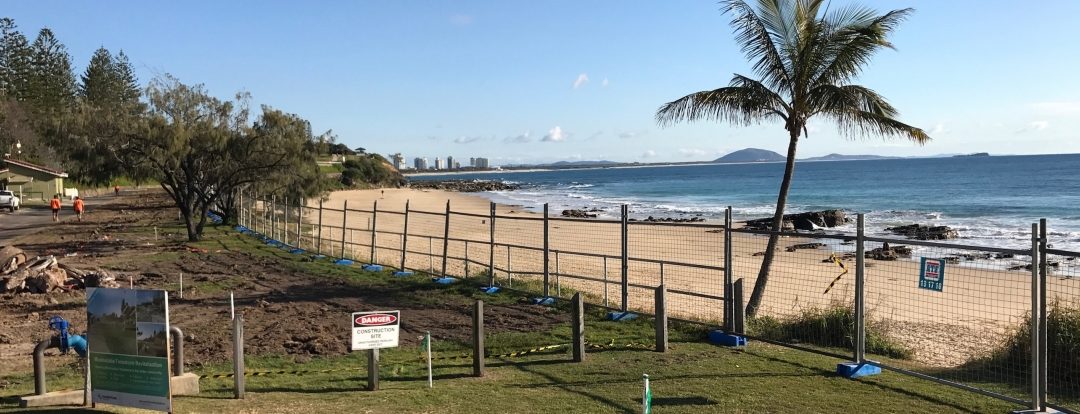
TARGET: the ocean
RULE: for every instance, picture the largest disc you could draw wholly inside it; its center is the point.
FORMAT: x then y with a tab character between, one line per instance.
991	201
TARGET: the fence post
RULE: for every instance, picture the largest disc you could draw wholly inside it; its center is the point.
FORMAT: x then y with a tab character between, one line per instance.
285	223
240	207
1036	391
466	259
318	241
558	282
1043	328
405	238
547	252
491	248
661	319
605	282
578	321
299	225
446	239
509	272
737	318
238	357
273	217
729	302
374	225
478	339
661	273
860	291
344	218
373	369
625	263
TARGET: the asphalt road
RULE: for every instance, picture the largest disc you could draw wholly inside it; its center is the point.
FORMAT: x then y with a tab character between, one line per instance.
24	221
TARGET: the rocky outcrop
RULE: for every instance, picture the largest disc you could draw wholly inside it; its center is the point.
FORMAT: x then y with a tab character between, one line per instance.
652	219
574	213
811	220
924	232
464	186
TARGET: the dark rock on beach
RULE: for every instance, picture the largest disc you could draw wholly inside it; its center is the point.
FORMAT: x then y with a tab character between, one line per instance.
578	214
464	186
652	219
924	232
803	221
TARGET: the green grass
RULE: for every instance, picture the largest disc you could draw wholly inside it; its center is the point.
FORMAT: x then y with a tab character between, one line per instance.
692	377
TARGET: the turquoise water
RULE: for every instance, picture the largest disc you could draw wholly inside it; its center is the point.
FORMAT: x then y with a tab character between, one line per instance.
990	200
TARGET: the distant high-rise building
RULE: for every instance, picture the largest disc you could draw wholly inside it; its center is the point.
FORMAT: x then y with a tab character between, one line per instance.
438	163
399	161
450	162
472	161
457	165
482	163
420	163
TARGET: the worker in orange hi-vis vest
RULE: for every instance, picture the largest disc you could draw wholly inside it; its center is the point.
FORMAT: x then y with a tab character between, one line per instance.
54	204
79	207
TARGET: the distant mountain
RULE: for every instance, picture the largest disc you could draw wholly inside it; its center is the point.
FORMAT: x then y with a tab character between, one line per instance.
842	157
976	154
750	155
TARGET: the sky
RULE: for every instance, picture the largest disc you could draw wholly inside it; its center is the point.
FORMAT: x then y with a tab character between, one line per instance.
532	82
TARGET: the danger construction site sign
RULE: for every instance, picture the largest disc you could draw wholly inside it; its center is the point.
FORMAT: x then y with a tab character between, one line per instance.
375	330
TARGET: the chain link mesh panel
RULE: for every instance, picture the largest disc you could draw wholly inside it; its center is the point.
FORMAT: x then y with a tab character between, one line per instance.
808	299
1062	328
951	312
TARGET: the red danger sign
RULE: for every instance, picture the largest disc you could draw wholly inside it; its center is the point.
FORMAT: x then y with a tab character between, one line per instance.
378	319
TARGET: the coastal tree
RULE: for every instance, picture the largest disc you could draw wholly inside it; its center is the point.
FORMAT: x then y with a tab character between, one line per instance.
805	56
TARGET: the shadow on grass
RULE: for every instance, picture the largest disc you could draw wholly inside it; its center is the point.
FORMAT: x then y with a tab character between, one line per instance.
561	384
682	401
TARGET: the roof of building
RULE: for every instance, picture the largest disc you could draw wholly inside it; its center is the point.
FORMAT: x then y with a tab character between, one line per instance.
36	167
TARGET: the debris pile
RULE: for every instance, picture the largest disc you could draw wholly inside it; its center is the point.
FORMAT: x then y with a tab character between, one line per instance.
43	274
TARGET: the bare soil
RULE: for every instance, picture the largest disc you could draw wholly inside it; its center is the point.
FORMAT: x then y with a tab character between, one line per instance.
287	308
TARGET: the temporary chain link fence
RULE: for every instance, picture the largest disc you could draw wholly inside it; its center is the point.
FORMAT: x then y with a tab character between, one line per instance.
960	315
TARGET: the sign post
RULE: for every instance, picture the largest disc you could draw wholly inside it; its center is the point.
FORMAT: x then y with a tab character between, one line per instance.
932	274
372	331
128	337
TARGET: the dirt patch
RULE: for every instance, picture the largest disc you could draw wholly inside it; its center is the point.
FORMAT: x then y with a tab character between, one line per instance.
287	309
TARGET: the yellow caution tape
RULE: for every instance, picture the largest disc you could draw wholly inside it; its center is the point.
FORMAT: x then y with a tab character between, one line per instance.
838	263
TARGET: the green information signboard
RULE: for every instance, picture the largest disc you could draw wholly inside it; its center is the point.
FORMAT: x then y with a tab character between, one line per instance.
128	338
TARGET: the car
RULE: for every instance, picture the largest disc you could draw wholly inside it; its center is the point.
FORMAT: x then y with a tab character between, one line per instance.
9	200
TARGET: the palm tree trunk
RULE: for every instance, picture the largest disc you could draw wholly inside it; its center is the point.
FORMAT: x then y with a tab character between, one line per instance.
778	221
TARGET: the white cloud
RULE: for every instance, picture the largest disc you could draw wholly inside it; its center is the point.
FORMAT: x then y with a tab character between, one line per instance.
466	140
1057	108
692	152
581	80
520	139
459	19
938	129
555	135
1033	126
604	83
648	154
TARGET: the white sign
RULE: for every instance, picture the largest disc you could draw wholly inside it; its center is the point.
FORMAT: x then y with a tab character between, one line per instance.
375	330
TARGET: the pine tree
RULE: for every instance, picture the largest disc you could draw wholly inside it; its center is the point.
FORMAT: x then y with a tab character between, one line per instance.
98	86
52	83
15	61
127	85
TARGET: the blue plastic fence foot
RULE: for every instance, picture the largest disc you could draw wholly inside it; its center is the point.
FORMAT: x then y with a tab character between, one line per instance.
318	256
491	290
400	273
726	339
856	369
372	268
344	262
296	251
544	301
445	280
621	316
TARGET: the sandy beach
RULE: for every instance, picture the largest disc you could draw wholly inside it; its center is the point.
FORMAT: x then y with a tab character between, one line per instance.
979	303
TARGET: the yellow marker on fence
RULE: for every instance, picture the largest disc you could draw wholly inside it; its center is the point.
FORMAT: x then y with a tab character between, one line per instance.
838	263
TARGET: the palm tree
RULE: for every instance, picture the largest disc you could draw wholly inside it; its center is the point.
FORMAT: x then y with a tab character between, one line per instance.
805	58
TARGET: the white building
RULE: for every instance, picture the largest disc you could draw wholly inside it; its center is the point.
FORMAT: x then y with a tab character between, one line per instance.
438	163
482	163
450	162
420	163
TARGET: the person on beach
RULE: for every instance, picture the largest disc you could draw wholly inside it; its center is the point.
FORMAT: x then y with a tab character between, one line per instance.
54	204
79	207
116	190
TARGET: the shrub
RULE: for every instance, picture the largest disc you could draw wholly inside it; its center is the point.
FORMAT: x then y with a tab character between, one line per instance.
833	326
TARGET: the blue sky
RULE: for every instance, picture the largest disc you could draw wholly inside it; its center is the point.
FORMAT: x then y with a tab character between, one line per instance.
567	80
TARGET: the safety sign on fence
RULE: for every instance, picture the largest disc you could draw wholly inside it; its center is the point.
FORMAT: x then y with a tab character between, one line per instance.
932	274
375	330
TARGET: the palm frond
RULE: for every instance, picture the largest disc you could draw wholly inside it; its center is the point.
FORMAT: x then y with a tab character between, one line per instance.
855	35
828	99
856	123
758	36
744	102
